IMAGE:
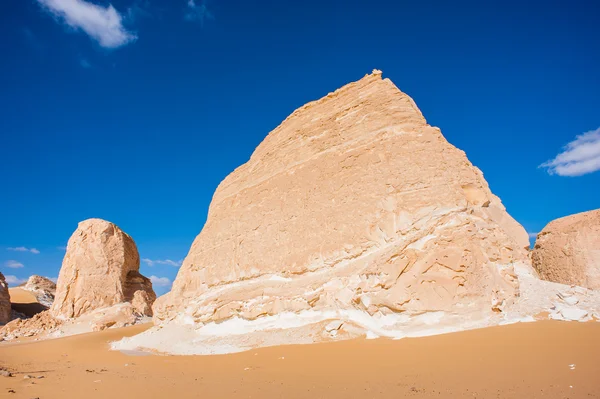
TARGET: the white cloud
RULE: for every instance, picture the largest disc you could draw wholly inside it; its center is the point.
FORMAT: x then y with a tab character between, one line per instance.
532	235
23	249
579	157
13	264
14	280
169	262
160	281
18	249
104	24
62	248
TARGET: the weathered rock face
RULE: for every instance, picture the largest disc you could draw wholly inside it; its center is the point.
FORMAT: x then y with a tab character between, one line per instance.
44	289
39	283
5	310
100	269
353	205
567	250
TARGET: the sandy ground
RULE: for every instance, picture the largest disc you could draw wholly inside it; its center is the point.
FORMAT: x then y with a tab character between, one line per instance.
526	360
25	302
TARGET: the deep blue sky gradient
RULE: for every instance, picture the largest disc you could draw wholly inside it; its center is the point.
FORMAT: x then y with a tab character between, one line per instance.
142	135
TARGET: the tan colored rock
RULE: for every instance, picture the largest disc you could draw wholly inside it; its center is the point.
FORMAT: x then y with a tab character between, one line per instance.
567	250
43	288
354	205
39	283
5	310
100	269
42	323
118	316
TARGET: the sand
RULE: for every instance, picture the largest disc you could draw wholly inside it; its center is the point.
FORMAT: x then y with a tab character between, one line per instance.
25	302
547	359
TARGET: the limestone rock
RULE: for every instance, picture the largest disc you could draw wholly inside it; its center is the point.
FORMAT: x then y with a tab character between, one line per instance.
354	207
5	310
39	324
118	316
43	288
567	250
100	269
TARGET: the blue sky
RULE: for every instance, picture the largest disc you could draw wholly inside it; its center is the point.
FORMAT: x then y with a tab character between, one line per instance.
133	111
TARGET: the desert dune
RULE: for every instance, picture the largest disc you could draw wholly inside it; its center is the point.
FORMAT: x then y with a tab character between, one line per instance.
546	359
25	302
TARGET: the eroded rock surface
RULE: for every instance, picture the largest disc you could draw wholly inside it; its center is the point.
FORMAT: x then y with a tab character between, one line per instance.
353	208
42	323
567	250
100	269
42	288
99	286
5	309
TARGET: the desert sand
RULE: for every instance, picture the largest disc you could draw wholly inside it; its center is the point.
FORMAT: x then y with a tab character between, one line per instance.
25	302
547	359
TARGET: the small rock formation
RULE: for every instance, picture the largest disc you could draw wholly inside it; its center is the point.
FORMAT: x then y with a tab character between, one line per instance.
121	315
100	269
567	250
354	208
42	288
5	309
99	286
40	324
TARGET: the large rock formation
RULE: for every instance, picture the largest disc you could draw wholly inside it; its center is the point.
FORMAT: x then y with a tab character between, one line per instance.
567	250
100	269
353	208
5	310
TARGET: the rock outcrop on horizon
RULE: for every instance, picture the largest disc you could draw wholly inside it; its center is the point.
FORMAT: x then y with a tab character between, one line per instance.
100	269
5	310
567	250
99	286
43	288
354	208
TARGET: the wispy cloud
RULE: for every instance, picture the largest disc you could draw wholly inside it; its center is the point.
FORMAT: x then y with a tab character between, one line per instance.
62	248
103	24
198	12
139	10
84	63
579	157
13	264
532	235
24	249
32	40
14	280
160	281
169	262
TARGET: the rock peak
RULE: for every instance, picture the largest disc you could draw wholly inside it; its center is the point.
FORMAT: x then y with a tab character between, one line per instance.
100	269
353	207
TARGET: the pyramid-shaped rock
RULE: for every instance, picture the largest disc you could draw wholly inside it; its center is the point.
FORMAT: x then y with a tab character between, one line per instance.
354	207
